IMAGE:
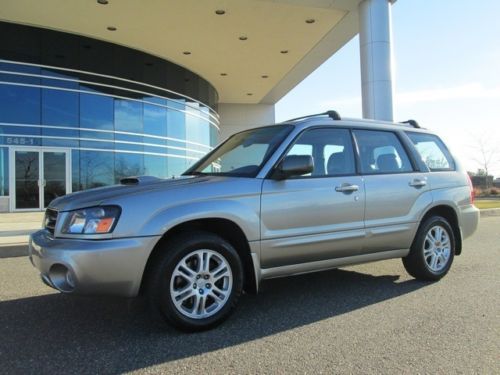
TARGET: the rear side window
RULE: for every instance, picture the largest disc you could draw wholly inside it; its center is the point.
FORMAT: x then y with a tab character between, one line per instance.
432	151
381	152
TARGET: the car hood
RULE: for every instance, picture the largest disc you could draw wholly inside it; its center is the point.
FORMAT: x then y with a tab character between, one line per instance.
130	186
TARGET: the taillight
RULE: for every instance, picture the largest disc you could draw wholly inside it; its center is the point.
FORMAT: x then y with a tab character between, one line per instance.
472	193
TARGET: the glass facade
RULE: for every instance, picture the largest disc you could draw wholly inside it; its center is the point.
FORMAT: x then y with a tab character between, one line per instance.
114	112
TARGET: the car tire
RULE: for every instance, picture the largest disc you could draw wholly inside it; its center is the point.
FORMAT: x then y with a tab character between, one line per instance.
195	282
432	251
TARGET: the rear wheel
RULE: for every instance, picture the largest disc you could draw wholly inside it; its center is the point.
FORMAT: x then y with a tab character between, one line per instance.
432	251
196	282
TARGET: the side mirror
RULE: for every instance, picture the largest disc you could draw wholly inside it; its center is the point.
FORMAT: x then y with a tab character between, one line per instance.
294	165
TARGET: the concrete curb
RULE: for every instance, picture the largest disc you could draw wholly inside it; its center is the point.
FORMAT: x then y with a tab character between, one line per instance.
20	250
490	212
11	251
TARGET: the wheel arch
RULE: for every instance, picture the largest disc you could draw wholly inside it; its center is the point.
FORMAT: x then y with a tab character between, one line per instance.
224	228
450	214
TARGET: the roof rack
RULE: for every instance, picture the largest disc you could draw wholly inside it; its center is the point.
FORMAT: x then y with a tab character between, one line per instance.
412	123
332	114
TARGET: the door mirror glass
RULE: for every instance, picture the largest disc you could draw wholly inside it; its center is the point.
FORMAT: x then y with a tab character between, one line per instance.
294	165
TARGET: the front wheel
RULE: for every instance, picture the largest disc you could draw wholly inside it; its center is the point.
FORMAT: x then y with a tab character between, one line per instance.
196	282
432	251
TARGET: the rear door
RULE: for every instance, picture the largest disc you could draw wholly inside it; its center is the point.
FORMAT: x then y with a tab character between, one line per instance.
317	216
395	191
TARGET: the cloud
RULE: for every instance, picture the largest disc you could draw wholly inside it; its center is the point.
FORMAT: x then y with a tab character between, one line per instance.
467	91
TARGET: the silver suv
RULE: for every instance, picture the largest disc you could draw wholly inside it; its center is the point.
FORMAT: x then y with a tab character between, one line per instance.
306	195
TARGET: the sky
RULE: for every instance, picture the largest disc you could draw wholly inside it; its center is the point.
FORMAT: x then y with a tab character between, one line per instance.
447	76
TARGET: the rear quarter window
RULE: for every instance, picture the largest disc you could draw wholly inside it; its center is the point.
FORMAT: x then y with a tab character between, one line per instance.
432	151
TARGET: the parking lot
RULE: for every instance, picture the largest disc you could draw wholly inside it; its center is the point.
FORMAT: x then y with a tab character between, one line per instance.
371	318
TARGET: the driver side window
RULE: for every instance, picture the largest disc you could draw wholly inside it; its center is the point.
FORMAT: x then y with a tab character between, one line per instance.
331	150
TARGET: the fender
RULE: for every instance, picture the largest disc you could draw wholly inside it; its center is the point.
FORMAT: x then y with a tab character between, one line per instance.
246	214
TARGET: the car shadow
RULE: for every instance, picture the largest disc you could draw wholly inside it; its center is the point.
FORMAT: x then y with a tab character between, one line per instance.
60	333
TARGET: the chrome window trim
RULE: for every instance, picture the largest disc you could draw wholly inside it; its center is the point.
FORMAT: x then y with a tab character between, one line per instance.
110	96
104	131
101	140
110	77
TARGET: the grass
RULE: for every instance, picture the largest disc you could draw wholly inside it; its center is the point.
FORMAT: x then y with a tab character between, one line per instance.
485	203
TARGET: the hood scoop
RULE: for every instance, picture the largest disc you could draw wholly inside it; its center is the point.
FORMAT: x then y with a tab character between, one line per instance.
138	180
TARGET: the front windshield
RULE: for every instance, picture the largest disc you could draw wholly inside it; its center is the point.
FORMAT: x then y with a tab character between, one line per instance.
243	154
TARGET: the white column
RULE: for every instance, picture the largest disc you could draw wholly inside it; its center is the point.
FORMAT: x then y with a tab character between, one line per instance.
238	117
376	56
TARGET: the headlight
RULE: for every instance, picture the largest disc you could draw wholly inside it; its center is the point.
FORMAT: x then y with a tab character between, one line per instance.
94	220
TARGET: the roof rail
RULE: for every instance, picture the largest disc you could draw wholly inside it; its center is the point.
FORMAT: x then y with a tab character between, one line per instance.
332	114
412	123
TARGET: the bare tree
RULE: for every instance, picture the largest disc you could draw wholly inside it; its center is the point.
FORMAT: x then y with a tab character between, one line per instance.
486	152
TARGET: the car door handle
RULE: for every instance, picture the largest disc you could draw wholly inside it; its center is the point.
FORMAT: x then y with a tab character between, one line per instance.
417	183
346	188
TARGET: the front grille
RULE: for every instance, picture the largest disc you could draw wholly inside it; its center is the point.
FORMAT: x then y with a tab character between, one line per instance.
50	220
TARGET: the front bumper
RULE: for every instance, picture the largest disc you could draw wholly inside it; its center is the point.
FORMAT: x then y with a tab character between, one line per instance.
108	267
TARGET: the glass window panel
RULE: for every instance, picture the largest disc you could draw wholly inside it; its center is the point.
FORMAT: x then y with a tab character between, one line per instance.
60	142
155	166
20	130
127	165
27	175
96	112
66	81
381	152
96	169
54	175
59	107
4	171
176	127
75	170
155	120
129	147
98	145
19	104
96	135
128	116
432	151
19	78
176	166
197	129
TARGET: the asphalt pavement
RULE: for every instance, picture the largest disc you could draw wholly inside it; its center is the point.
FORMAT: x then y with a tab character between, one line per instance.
371	318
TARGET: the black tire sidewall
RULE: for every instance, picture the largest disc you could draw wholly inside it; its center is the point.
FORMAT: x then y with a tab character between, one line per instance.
175	252
418	246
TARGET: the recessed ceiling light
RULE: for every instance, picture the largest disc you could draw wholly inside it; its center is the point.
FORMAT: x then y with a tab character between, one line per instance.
223	74
265	76
284	51
111	28
249	94
103	2
220	12
186	52
243	37
310	20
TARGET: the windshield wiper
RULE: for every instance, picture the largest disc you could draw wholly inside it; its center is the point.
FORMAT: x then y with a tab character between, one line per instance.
193	173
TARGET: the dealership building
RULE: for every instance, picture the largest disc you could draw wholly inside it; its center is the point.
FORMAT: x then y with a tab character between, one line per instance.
92	91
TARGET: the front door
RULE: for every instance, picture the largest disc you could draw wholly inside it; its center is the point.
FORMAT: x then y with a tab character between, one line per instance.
38	177
318	216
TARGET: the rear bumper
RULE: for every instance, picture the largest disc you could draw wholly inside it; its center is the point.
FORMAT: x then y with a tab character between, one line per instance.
108	267
469	220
